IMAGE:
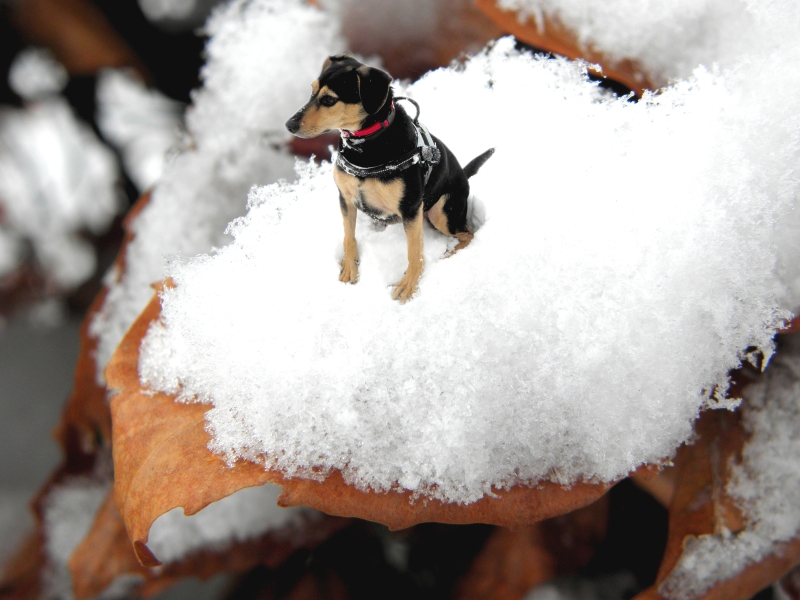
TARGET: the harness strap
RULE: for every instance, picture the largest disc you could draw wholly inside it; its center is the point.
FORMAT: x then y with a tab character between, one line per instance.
426	154
353	139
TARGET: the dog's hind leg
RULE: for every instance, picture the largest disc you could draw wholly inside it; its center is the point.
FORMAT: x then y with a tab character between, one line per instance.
349	273
405	288
451	220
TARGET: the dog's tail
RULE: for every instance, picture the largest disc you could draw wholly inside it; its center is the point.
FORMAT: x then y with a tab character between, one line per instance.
477	162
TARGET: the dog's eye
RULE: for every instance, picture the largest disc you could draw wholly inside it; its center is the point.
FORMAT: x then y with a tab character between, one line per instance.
328	100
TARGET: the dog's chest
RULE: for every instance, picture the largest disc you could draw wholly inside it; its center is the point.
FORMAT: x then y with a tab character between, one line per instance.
371	195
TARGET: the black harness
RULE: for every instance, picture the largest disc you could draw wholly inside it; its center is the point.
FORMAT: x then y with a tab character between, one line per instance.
426	154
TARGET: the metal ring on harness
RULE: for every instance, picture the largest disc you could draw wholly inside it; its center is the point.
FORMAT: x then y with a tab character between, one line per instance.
414	102
426	154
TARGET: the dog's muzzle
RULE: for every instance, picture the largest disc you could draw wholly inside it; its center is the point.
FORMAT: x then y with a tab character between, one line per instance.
293	124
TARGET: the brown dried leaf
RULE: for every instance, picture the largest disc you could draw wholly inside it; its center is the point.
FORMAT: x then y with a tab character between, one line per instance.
701	507
458	28
21	578
555	37
157	440
792	326
659	483
78	34
790	584
514	562
106	554
87	417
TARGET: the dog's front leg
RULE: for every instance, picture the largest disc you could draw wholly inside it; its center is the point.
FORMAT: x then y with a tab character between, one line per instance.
349	273
405	288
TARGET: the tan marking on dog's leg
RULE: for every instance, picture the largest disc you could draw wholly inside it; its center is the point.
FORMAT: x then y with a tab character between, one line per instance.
439	220
464	238
437	217
407	286
349	272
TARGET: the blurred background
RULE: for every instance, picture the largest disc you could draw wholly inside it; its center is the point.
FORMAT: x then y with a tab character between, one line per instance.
92	95
91	99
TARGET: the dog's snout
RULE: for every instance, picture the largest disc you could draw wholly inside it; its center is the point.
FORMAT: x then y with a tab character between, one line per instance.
293	124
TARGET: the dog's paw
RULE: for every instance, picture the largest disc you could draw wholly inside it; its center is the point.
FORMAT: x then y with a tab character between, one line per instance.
463	241
349	273
405	289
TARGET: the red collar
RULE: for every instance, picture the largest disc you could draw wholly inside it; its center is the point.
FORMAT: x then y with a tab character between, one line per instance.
374	128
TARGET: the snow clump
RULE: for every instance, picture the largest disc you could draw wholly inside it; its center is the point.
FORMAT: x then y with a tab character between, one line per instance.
56	180
633	253
668	39
766	484
242	516
259	70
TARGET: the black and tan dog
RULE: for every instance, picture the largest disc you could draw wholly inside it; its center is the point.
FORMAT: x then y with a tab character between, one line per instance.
388	165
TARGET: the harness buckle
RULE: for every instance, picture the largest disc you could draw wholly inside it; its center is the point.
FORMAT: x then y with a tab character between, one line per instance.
431	154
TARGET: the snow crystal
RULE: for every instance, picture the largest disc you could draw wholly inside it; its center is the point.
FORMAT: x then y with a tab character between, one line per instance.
245	515
56	179
669	39
259	71
34	74
626	263
617	586
141	123
177	15
767	483
69	512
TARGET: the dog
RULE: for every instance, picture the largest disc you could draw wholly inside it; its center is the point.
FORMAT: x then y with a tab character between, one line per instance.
388	165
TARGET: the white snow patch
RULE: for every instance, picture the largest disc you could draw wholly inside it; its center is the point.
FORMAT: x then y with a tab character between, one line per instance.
617	586
245	515
262	56
767	483
142	123
69	512
35	74
56	179
669	39
575	339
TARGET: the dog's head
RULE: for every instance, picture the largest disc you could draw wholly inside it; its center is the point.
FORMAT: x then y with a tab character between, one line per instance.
343	97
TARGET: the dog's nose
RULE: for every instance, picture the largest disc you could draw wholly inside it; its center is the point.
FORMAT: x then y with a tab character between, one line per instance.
293	125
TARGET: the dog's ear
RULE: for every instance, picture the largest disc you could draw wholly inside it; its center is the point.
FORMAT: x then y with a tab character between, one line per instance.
335	58
373	87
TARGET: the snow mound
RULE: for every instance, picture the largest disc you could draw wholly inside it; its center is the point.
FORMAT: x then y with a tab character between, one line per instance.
237	137
766	483
576	337
668	39
56	180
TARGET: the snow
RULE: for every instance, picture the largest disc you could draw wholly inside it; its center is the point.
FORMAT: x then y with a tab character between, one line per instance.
34	73
69	512
766	484
630	256
56	180
668	39
617	586
242	516
259	70
143	124
236	141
